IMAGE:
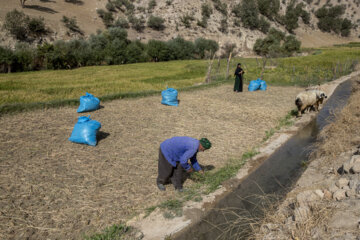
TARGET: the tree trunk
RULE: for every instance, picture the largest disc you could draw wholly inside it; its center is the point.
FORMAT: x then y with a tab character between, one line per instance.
208	75
263	67
22	2
228	65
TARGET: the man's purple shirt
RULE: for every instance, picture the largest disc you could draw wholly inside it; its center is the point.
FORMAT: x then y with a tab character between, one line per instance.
181	149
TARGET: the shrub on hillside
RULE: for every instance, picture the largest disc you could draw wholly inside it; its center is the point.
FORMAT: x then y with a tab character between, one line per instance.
71	24
269	8
223	25
206	10
137	23
156	23
22	27
122	23
36	27
110	7
186	20
249	14
220	6
263	25
152	4
107	17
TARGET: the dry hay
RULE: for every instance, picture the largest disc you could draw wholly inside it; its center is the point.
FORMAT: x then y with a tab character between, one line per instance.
52	188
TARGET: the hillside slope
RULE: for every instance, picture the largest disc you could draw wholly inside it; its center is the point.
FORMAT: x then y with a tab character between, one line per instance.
172	11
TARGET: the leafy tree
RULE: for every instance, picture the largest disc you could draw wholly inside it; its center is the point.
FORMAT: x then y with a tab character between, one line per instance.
203	46
6	59
158	51
16	24
276	44
330	20
291	45
291	18
346	26
180	49
156	23
135	52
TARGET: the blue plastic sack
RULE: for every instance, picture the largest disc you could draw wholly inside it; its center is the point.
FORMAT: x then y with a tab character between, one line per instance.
88	103
169	97
263	85
254	85
85	131
257	84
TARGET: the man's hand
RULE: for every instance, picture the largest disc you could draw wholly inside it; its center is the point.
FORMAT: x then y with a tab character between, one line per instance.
190	170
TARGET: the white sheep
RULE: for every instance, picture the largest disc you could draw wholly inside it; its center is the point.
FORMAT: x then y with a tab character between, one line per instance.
309	100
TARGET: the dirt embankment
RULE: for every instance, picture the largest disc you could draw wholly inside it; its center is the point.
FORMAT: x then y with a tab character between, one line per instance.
52	188
326	200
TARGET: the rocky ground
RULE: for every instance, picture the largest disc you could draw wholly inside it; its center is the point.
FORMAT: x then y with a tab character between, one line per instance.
325	203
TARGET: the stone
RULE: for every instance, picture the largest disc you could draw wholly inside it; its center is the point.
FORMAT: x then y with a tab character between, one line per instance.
307	197
344	220
301	213
349	163
355	168
333	188
327	194
342	182
339	195
320	193
350	193
346	188
353	183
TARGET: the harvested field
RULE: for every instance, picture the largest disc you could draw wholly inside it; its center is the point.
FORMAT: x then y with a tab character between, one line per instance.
52	188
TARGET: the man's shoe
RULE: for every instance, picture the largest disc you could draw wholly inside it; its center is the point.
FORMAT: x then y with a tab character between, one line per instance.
161	187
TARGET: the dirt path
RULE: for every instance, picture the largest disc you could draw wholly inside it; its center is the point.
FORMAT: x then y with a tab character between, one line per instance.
52	188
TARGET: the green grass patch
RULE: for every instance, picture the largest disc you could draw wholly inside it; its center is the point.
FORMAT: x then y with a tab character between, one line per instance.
115	232
283	122
44	89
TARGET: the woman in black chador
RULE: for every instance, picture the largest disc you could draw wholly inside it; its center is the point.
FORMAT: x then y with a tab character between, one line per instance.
238	86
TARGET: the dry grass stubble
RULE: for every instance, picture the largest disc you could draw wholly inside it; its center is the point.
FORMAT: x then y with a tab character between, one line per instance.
52	188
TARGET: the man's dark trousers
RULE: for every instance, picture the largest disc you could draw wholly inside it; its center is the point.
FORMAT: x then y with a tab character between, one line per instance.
168	172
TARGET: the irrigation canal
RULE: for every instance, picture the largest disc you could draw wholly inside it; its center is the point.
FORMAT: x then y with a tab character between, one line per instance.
233	215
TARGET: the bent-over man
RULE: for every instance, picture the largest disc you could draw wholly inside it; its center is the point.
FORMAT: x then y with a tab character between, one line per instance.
174	154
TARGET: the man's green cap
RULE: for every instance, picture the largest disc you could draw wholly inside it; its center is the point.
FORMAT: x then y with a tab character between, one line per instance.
205	143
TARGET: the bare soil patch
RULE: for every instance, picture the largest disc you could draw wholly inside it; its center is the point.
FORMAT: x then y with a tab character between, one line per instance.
52	188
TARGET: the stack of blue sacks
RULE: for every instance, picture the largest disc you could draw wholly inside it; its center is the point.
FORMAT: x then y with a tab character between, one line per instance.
85	130
257	84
